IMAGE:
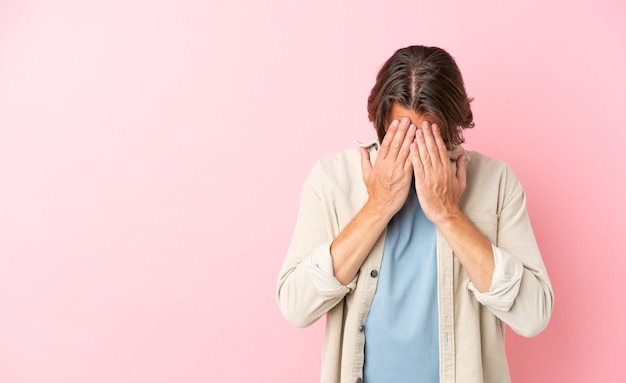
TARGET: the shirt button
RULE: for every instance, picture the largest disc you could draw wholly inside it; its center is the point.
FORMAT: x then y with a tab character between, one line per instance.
361	328
374	273
359	380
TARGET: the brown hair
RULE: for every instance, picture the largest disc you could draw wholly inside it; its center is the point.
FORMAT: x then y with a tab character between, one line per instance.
428	81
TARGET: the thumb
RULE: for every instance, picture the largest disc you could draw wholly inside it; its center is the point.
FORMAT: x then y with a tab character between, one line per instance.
366	164
461	170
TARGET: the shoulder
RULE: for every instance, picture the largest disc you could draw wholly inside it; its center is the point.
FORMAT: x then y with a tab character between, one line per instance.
347	158
337	169
339	178
478	160
485	167
490	179
345	166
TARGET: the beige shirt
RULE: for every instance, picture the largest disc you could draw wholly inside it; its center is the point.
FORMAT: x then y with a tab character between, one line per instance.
471	325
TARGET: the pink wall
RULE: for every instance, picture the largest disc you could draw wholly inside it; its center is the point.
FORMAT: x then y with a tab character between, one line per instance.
152	154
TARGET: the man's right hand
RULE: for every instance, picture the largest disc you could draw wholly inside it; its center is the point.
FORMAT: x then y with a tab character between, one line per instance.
388	181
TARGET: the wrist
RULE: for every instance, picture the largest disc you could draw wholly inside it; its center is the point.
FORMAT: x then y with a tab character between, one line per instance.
450	218
378	211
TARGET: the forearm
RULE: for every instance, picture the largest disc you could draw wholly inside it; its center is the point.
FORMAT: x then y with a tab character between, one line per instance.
350	249
471	247
388	183
304	289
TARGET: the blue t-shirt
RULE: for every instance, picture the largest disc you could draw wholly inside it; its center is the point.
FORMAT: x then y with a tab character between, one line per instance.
402	327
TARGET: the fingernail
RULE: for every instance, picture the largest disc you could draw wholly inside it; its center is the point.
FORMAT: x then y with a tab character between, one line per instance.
435	127
420	133
395	123
405	120
425	125
412	127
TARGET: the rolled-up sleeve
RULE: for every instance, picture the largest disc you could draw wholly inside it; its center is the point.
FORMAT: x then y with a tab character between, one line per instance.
523	302
320	268
505	284
306	288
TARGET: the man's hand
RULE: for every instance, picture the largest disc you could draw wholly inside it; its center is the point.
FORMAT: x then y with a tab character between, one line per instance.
438	187
388	181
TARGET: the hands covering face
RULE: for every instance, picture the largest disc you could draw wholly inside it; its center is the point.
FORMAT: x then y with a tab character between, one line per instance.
408	150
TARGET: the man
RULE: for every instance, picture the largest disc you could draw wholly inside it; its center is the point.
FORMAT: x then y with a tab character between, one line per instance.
417	251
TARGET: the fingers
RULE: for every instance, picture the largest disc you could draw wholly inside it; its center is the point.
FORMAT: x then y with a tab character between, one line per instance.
461	171
389	136
397	140
408	151
366	163
429	155
440	144
422	154
431	147
416	161
405	149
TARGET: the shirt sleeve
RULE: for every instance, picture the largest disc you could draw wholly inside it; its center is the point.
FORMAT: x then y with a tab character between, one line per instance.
320	266
505	284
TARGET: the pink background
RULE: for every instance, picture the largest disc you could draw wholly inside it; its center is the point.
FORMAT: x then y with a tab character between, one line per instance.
152	155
